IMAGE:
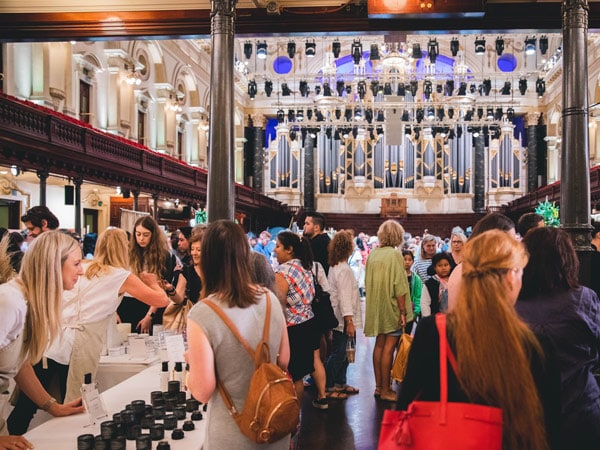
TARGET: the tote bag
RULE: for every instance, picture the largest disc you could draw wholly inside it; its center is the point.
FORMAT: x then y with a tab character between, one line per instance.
175	315
442	425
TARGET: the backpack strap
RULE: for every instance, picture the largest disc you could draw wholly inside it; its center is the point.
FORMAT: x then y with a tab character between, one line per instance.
264	343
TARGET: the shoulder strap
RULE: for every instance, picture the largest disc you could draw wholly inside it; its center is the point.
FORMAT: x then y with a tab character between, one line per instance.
446	356
222	390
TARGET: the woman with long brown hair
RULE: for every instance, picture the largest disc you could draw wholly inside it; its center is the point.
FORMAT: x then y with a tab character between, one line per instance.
500	361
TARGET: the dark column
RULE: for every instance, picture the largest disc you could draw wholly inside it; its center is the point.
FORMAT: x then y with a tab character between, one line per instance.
43	175
532	159
136	197
258	122
575	170
221	186
155	206
309	173
479	174
78	181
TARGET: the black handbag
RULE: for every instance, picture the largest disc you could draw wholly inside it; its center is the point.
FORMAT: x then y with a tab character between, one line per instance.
321	306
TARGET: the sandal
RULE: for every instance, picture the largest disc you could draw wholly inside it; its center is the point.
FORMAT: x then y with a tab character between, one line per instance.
337	395
388	397
377	392
350	390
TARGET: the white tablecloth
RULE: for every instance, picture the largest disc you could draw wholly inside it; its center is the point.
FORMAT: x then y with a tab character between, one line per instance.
61	432
113	370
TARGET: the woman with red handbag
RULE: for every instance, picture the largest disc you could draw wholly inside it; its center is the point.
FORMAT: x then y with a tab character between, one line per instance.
499	362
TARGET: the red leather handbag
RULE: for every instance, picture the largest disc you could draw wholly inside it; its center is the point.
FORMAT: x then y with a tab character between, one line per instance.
442	425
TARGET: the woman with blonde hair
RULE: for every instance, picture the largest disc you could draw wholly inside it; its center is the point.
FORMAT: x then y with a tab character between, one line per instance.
30	309
500	361
87	312
388	303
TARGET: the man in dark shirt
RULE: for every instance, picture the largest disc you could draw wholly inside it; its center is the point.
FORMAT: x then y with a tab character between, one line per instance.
314	226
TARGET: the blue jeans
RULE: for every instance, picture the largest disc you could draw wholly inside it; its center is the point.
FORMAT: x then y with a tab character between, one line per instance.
337	363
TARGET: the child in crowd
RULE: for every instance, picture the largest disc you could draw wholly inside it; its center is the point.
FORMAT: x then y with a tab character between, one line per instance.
415	285
434	298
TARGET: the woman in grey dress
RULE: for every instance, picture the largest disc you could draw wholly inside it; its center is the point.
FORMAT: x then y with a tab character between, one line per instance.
225	266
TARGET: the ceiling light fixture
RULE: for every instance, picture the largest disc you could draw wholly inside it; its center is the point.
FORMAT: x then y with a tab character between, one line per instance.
480	46
261	50
291	49
530	45
454	46
499	45
310	49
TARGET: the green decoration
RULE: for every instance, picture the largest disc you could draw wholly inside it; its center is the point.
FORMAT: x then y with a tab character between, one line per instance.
201	216
550	213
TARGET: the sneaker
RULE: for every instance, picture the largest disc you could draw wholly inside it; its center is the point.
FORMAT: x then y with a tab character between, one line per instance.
320	403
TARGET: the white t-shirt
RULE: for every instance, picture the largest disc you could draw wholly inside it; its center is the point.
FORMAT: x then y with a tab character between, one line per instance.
13	309
90	301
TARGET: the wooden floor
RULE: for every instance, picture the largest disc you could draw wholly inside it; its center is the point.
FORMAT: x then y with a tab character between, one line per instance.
347	424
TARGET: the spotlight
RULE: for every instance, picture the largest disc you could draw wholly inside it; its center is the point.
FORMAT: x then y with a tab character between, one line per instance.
374	87
303	86
338	114
480	46
356	51
374	54
309	113
319	115
543	44
291	49
348	89
369	115
462	88
285	90
499	45
476	131
449	88
506	88
299	115
401	90
268	87
407	130
414	85
523	86
489	114
336	48
361	88
469	115
280	116
440	113
540	87
261	50
487	86
380	116
252	90
530	45
336	135
431	113
498	114
326	89
247	49
339	87
427	89
15	171
405	116
420	115
450	113
416	51
454	46
291	115
292	135
387	89
479	113
310	49
472	88
433	49
348	114
439	88
357	113
317	89
459	131
510	114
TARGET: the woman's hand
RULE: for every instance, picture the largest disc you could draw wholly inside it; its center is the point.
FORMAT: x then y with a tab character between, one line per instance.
144	324
67	409
350	330
14	442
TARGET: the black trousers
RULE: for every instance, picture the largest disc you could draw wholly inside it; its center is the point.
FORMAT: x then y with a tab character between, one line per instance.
19	419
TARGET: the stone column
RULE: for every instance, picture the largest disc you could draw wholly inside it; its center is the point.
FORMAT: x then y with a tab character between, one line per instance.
258	123
309	173
78	181
136	198
155	206
553	165
479	174
221	187
43	175
532	159
575	170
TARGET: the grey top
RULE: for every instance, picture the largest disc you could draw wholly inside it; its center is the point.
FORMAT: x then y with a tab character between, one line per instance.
235	367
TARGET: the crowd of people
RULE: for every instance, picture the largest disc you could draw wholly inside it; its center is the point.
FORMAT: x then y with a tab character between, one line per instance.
525	332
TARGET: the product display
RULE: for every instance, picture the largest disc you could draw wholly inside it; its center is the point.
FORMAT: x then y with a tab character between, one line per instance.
144	422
